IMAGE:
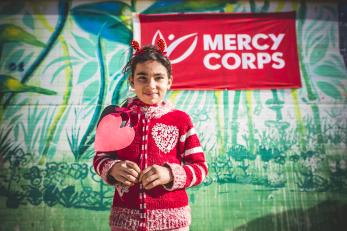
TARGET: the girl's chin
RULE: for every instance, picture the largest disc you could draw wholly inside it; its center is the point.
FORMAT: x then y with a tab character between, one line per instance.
151	100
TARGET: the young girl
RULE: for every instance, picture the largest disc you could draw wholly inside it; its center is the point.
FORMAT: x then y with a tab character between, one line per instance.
164	158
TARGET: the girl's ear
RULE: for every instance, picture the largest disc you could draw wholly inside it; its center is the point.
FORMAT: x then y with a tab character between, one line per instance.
131	81
169	82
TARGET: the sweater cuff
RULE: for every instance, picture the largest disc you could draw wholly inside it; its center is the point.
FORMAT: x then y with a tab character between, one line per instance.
179	177
105	172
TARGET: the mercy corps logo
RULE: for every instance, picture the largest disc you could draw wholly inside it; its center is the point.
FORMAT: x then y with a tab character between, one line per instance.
229	51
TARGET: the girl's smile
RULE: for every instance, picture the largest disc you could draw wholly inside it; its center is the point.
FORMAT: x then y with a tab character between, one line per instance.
150	82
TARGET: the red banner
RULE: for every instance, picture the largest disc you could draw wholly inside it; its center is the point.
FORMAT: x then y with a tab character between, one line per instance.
226	51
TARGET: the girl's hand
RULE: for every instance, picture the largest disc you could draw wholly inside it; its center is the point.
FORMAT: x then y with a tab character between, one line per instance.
125	172
155	175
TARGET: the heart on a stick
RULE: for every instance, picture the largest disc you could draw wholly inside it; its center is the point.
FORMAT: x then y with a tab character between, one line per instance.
111	135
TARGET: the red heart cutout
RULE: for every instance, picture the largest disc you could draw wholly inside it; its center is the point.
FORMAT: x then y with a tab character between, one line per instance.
110	136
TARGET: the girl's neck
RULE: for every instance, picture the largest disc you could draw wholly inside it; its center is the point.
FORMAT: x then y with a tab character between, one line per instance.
150	111
137	101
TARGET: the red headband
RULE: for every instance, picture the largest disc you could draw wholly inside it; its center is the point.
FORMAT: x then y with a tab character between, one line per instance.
160	46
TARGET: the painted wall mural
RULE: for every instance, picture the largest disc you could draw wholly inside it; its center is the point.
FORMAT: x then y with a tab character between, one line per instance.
277	158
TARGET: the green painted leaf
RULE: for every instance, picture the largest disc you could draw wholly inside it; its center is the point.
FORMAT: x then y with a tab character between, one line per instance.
60	69
14	57
57	60
27	58
16	130
28	20
329	89
110	20
87	71
7	49
91	91
313	36
13	33
116	62
120	91
164	6
111	46
253	6
16	107
327	70
80	54
319	50
85	45
266	6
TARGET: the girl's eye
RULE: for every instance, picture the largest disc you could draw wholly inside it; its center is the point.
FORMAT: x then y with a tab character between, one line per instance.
141	78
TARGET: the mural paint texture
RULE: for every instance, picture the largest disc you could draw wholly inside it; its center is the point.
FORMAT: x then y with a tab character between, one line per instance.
277	158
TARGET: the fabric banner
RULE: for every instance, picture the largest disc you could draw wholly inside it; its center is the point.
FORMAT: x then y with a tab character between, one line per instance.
212	51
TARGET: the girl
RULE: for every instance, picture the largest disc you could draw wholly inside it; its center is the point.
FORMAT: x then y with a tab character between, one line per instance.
164	158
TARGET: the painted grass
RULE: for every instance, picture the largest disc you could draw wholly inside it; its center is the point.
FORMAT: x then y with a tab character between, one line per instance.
216	207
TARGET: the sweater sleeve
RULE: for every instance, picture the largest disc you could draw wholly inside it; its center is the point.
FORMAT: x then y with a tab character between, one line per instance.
193	169
103	163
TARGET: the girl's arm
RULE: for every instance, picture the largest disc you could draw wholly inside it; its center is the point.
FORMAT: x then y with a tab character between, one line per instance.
103	161
126	172
193	169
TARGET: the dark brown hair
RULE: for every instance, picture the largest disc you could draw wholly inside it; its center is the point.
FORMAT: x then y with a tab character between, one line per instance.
147	53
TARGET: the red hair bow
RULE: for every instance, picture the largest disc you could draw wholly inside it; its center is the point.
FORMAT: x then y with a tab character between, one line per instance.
160	46
135	44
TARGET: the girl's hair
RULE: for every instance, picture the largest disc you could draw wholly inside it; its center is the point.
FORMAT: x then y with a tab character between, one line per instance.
147	53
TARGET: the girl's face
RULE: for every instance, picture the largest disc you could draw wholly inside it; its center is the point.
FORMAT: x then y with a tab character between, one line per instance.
150	81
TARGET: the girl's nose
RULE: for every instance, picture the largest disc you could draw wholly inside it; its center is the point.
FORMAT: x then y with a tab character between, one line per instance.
151	83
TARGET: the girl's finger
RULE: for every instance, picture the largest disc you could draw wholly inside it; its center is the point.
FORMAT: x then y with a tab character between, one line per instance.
124	181
128	177
131	171
133	165
152	184
149	179
145	173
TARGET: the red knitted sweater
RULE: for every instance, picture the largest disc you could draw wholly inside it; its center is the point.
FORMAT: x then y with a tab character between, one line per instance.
163	136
